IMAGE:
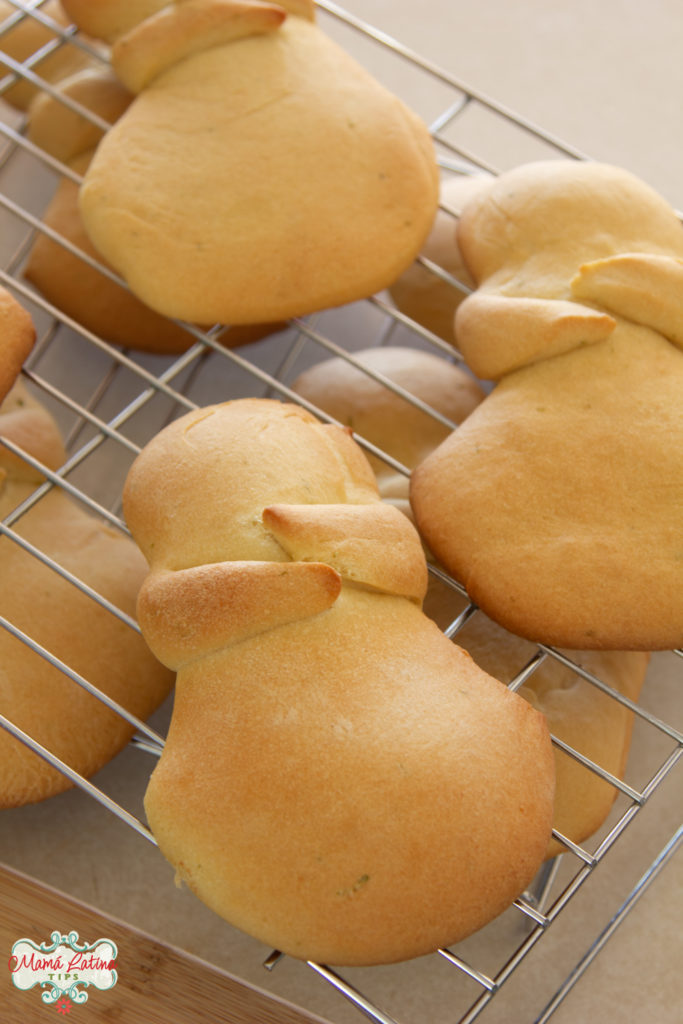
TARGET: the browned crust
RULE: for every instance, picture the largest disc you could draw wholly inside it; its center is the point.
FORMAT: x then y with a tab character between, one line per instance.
17	337
179	30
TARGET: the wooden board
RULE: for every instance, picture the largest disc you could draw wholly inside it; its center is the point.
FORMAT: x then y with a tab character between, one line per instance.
157	983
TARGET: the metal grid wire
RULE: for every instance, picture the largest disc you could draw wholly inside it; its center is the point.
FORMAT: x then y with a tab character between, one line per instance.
110	401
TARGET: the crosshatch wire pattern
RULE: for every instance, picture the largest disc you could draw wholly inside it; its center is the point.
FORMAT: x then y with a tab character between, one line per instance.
109	402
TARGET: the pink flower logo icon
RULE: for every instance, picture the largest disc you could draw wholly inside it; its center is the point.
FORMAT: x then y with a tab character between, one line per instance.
64	1005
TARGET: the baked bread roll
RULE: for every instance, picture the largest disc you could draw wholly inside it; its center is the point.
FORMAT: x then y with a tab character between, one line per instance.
72	285
29	36
382	416
339	780
420	293
260	173
578	713
37	697
558	502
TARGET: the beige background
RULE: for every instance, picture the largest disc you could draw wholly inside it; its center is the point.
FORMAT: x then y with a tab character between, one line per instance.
605	77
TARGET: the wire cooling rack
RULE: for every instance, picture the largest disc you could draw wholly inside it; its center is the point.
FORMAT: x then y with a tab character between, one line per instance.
110	401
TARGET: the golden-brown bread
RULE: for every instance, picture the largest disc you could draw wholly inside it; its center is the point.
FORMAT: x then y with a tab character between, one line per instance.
17	337
56	124
72	285
384	417
258	179
182	29
578	712
109	19
29	36
420	292
93	642
558	503
339	780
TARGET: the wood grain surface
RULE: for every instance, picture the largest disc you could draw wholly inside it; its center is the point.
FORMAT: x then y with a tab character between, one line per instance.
157	983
